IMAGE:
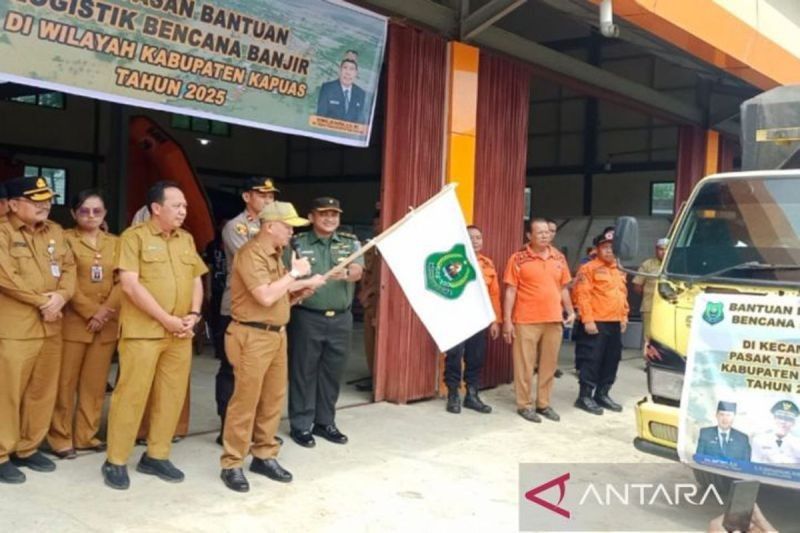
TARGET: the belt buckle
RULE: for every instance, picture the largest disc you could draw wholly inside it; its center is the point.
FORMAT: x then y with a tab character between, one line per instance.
330	314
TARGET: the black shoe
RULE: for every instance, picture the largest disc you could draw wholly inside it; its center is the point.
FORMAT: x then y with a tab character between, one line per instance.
558	373
11	474
364	386
549	413
604	400
219	441
177	438
97	448
234	479
36	462
474	402
529	415
303	438
330	433
161	468
271	469
453	400
586	402
116	476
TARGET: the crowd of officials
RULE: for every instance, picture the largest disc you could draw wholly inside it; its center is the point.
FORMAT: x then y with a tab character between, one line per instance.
281	319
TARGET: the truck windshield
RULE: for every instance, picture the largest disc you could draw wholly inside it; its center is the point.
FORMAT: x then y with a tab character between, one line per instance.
745	228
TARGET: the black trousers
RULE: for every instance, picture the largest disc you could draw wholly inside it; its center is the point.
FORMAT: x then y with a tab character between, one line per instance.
318	350
600	355
224	381
473	353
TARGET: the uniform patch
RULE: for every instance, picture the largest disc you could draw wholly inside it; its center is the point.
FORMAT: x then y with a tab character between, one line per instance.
241	229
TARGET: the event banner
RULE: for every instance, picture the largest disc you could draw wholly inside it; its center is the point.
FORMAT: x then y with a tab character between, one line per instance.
306	68
741	395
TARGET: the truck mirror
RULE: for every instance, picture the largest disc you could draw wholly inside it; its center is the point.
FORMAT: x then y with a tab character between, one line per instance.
626	239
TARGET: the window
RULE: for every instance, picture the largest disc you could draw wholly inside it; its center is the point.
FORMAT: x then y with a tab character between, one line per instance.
51	100
526	206
662	198
201	125
56	179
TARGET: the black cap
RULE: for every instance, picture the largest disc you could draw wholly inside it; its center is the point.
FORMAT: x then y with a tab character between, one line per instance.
727	406
785	409
260	184
3	193
32	187
606	236
326	203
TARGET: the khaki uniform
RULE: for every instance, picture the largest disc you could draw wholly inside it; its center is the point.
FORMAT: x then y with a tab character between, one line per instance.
86	355
648	266
255	344
32	263
368	295
149	356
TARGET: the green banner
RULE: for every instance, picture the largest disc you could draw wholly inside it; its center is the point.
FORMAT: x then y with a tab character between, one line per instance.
307	67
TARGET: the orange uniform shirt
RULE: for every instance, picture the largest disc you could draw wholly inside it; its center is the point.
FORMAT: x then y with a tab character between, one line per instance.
601	294
539	280
492	283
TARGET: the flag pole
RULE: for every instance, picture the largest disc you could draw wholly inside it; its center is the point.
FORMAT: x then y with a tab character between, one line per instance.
374	241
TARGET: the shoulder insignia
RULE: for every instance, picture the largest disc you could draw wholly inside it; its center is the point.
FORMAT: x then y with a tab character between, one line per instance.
241	228
346	235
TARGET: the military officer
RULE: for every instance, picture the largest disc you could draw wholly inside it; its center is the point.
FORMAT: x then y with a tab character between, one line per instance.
258	193
601	296
37	278
90	331
779	445
256	345
319	331
162	294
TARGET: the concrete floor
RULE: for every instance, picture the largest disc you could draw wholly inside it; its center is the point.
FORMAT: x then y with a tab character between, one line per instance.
406	468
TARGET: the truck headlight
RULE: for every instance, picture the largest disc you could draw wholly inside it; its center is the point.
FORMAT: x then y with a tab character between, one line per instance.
665	383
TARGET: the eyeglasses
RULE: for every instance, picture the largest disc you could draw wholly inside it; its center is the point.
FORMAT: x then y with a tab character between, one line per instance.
91	211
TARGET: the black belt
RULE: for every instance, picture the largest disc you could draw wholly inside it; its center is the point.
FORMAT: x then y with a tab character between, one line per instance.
327	312
262	326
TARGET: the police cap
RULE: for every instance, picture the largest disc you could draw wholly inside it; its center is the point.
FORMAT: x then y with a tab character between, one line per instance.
785	409
261	184
31	187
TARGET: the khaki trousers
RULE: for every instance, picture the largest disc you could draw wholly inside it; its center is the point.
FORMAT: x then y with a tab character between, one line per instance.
28	383
260	372
646	324
84	371
181	430
535	345
369	339
148	366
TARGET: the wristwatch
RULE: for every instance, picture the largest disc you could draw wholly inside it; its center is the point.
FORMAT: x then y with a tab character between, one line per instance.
294	274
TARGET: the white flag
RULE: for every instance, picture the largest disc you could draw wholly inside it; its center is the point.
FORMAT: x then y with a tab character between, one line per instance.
432	258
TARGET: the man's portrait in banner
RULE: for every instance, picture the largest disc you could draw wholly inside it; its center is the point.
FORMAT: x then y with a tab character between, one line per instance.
342	99
723	440
778	445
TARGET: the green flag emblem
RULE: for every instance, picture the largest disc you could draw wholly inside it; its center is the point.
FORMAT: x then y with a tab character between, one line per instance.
447	273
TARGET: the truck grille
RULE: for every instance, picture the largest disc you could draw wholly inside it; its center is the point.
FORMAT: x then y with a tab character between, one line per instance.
664	431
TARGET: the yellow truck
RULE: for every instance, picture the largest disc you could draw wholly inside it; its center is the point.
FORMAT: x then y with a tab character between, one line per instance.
738	233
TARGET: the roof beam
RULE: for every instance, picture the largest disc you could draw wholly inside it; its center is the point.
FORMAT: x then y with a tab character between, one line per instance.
487	15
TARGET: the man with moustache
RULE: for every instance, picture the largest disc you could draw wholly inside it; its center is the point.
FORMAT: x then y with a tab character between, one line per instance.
160	276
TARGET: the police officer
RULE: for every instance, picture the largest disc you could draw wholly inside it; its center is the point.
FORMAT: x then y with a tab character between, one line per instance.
256	345
37	278
258	193
319	332
89	330
162	293
602	300
779	445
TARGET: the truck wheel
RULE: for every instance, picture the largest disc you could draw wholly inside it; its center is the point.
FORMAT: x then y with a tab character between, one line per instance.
704	479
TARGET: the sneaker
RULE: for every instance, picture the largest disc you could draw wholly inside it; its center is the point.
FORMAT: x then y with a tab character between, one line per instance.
36	462
161	468
10	474
115	476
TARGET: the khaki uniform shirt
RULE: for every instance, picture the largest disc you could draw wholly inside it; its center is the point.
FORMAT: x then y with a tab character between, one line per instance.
32	262
324	254
92	291
167	267
648	266
257	264
235	234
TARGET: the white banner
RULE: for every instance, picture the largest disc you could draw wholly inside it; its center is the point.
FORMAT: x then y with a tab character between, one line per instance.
741	395
432	258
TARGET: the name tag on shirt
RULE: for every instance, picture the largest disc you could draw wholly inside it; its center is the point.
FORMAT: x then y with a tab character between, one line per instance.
55	270
97	273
